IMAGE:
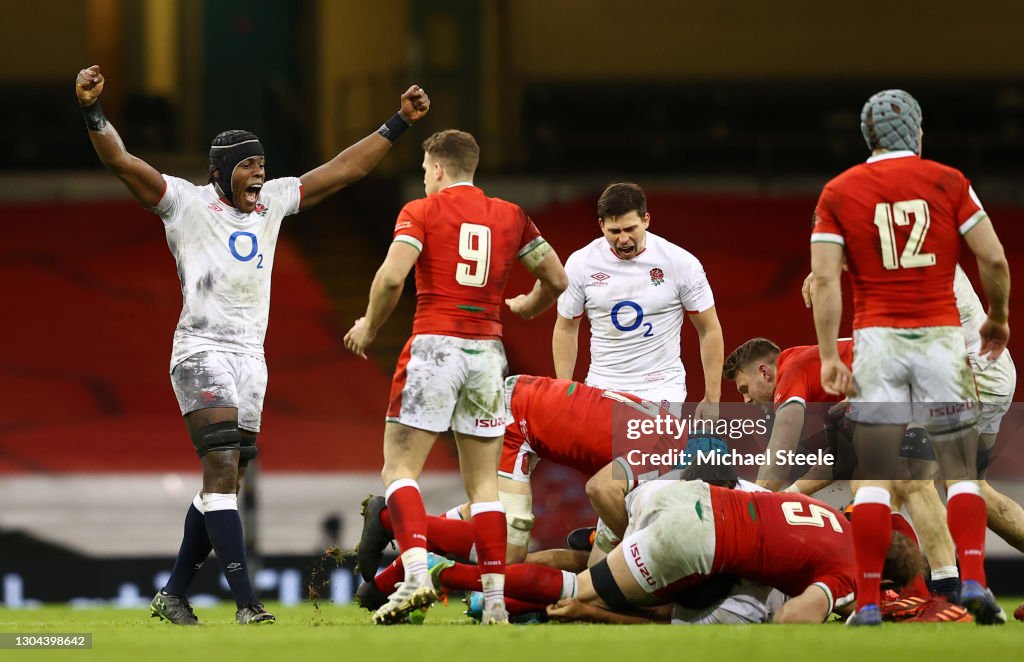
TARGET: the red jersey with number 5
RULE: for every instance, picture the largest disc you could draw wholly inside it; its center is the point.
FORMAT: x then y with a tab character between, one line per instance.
900	219
789	541
468	243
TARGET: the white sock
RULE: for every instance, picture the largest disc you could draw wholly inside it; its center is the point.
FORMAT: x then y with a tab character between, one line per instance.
568	585
493	585
945	572
415	561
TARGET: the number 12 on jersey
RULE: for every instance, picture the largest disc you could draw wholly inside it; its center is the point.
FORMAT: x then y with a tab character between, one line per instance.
475	248
887	216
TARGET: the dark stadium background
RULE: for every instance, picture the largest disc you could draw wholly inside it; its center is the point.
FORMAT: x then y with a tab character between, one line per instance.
731	115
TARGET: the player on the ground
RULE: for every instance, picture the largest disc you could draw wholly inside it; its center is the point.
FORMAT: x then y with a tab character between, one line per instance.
223	237
634	287
451	372
899	219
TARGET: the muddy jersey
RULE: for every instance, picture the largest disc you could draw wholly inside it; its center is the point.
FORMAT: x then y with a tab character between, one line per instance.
788	541
225	259
468	243
573	424
900	219
635	308
798	374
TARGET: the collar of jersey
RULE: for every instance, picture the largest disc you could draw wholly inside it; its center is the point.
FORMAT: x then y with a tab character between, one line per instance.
895	154
622	259
458	184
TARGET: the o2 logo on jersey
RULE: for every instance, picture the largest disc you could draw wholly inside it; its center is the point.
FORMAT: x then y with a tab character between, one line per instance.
637	321
254	247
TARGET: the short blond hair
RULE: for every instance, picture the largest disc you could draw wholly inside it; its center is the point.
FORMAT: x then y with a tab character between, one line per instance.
456	150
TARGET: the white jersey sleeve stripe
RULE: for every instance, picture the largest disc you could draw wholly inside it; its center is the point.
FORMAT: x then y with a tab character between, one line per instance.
827	238
412	241
976	217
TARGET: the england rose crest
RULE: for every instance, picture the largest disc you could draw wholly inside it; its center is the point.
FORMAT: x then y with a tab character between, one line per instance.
657	276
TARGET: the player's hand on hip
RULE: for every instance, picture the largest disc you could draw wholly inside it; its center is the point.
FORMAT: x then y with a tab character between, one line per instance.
359	337
836	378
89	85
806	289
994	336
706	411
415	104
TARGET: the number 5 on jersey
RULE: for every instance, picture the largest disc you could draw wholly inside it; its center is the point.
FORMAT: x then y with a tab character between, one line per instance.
475	248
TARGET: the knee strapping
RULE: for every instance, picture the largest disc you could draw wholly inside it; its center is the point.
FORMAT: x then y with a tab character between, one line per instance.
519	517
247	450
222	436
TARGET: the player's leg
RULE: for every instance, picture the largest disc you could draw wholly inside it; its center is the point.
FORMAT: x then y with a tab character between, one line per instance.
1005	516
929	515
879	415
517	498
478	461
479	423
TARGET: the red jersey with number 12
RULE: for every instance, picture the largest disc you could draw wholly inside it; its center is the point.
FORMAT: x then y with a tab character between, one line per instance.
468	243
900	219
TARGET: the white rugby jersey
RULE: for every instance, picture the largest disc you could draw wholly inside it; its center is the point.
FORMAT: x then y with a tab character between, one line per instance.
635	308
992	377
224	260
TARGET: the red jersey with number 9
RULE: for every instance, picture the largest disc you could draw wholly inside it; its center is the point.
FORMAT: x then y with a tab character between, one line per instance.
468	243
900	219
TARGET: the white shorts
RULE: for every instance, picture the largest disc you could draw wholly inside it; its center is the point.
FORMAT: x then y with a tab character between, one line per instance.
671	536
905	375
996	383
222	379
446	382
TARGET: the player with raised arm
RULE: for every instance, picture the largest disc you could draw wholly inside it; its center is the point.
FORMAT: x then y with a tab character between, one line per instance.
223	237
451	372
634	287
899	220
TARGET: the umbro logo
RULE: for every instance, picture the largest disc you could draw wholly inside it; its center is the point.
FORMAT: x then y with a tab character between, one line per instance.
600	276
234	566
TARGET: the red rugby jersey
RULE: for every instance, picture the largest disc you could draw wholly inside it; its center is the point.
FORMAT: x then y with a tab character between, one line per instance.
468	243
900	219
798	374
788	541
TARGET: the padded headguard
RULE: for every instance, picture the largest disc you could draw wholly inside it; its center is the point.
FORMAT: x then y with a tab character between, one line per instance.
227	150
891	119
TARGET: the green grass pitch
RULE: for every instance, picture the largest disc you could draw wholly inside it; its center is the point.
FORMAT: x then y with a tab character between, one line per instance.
345	633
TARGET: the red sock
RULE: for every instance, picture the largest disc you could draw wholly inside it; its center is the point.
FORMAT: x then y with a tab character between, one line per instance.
872	532
444	535
489	530
525	582
407	514
534	583
388	578
918	587
967	518
516	607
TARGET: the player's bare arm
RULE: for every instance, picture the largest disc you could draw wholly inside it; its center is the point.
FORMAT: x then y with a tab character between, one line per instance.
385	292
712	356
811	606
353	163
827	267
144	182
786	428
552	280
570	609
995	281
607	495
565	346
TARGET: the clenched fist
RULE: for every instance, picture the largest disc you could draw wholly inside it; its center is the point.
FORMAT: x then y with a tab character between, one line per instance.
89	85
